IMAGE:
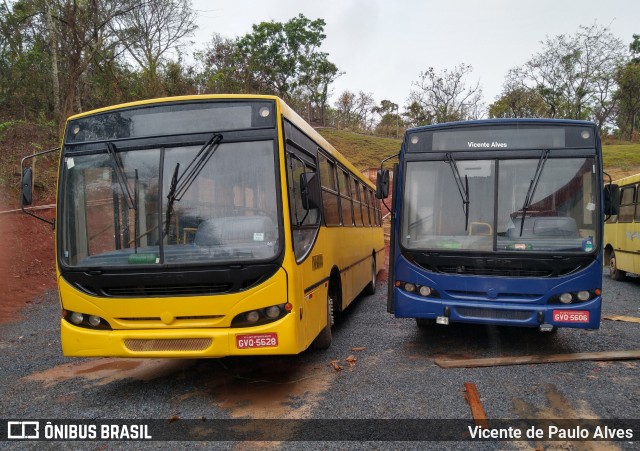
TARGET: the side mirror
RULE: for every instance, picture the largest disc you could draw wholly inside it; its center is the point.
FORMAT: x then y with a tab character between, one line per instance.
611	199
382	184
309	190
27	187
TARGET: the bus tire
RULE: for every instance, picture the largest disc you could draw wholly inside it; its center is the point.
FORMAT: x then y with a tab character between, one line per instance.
324	338
371	286
614	272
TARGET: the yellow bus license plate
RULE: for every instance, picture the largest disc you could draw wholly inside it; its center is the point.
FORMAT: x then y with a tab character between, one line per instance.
257	340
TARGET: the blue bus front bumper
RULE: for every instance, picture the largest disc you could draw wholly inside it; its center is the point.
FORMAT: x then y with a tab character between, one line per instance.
581	315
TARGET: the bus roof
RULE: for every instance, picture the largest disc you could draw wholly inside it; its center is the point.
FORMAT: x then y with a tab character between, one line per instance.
503	121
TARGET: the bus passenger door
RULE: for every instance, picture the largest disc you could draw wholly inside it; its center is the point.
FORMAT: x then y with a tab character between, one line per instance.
304	212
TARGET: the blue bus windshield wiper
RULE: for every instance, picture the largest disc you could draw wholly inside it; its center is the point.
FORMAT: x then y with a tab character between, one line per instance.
532	186
180	183
462	189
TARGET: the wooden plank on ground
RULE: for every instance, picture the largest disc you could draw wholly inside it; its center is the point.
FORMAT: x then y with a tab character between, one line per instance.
473	399
536	359
628	319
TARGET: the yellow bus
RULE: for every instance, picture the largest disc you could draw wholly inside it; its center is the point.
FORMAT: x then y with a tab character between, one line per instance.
207	226
622	231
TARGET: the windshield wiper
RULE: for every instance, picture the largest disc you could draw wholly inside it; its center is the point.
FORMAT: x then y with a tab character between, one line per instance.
121	175
123	181
532	186
180	183
462	189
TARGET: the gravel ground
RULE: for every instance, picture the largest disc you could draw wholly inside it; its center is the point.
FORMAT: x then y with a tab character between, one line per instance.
393	378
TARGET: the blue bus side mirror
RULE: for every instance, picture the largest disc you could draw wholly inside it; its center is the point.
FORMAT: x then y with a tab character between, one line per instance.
309	190
27	186
382	184
611	199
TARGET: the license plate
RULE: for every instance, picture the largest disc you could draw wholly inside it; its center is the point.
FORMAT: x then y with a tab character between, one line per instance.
571	316
257	341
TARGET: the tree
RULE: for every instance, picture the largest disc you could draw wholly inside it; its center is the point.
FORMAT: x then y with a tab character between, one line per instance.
353	111
344	110
25	61
518	100
389	123
84	31
224	69
573	73
445	96
634	48
153	29
416	115
283	58
363	105
318	74
628	92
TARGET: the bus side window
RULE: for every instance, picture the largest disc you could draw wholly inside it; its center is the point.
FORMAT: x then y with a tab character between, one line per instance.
636	217
355	197
330	194
627	207
345	199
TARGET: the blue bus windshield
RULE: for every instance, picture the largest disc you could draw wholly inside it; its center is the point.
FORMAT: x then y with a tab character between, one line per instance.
561	216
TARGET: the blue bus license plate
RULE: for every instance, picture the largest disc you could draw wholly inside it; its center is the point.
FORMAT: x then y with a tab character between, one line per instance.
571	316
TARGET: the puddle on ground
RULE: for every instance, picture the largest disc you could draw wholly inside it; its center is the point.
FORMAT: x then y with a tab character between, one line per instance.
107	370
558	406
270	388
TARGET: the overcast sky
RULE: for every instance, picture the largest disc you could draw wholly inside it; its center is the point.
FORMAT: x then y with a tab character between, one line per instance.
383	45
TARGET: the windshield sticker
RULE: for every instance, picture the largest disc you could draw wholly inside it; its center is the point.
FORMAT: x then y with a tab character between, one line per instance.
70	163
258	236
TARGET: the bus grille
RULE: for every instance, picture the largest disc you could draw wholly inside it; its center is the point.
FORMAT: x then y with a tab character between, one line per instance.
493	313
495	271
178	344
483	295
166	290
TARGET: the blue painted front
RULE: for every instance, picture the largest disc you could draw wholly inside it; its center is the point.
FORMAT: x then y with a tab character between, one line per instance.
497	293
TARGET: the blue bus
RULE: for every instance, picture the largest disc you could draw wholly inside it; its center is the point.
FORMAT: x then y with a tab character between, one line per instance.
498	222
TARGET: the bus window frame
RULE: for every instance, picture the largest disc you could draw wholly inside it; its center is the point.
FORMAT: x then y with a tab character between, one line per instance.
333	191
629	217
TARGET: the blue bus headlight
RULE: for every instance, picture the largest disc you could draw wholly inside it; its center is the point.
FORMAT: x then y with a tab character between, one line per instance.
575	296
566	298
583	295
422	290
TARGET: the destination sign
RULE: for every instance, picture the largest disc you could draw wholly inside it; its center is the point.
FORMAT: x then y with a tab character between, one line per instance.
500	137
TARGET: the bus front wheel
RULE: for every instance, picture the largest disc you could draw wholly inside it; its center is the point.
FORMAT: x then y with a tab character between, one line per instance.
614	272
324	338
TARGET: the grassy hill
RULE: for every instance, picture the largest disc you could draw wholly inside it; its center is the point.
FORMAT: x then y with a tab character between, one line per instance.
364	151
621	160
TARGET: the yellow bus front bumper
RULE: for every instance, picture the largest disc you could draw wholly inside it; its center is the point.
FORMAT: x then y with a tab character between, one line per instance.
180	343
